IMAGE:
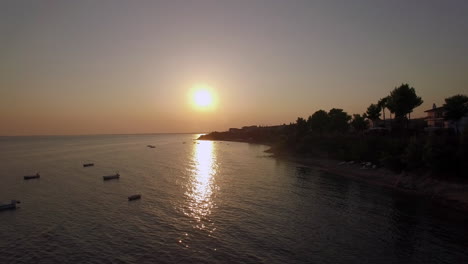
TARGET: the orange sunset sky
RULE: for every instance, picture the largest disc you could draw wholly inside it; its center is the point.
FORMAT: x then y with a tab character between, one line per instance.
113	67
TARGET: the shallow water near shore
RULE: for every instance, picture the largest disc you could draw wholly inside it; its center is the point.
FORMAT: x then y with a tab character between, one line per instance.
205	202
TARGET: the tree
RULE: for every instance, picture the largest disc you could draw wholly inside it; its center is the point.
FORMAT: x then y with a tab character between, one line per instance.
402	101
338	120
319	121
359	123
382	105
373	113
301	125
456	107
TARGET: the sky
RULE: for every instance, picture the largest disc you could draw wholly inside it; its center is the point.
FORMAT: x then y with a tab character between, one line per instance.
120	67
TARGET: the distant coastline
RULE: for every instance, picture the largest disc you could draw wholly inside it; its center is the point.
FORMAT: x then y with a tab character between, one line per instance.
85	135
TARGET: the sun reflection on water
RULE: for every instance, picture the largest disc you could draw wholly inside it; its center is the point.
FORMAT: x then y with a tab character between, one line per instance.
201	187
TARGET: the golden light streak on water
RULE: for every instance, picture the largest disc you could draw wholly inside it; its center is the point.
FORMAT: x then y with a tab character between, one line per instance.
201	185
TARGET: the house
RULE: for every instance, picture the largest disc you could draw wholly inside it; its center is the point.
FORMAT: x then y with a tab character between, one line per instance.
435	117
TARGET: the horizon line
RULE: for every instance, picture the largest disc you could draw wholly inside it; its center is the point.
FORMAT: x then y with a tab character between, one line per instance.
104	134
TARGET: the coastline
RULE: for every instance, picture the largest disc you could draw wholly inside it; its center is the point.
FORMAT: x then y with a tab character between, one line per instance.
450	194
445	193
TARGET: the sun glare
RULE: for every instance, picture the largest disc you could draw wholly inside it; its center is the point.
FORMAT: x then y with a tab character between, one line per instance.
203	97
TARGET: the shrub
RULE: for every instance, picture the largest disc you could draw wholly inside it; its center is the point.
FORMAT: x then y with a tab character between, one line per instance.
413	156
440	154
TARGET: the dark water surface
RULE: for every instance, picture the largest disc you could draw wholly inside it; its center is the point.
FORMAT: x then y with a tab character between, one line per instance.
206	202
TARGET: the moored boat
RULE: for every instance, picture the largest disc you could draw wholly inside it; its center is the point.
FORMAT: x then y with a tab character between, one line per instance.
29	177
134	197
88	164
151	146
111	177
10	206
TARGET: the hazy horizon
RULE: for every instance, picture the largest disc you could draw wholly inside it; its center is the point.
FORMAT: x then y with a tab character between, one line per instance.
121	67
117	134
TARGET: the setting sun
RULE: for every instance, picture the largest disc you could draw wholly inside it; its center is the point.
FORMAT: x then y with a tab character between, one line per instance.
203	97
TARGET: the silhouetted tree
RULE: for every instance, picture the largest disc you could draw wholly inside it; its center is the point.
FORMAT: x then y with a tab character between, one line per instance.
359	123
339	120
373	113
402	101
382	105
319	121
456	107
301	126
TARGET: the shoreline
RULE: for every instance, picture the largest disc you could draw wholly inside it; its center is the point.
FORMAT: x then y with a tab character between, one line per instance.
444	193
453	195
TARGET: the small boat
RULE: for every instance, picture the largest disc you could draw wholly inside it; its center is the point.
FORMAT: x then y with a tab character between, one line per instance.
134	197
29	177
88	164
10	206
151	146
111	177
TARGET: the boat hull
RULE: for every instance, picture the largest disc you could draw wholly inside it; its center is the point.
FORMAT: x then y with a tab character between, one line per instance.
10	206
134	197
32	177
111	177
5	207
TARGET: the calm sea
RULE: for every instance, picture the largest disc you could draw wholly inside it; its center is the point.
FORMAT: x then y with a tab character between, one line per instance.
204	202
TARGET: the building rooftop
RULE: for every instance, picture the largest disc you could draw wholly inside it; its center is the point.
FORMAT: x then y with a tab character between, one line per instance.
435	109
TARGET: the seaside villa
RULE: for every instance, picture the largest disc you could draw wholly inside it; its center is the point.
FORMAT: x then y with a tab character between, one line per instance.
435	119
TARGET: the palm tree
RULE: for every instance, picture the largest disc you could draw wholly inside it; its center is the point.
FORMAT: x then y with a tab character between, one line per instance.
382	105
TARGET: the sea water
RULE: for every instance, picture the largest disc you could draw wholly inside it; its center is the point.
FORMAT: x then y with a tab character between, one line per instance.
204	202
